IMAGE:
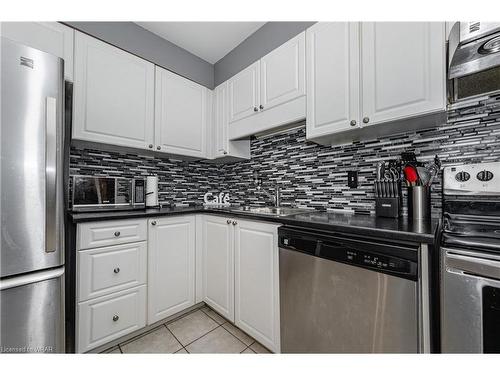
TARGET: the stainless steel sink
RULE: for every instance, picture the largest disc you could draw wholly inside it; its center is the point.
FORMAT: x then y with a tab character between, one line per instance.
273	211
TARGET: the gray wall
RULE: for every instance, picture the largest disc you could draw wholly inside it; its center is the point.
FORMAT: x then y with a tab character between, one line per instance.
149	46
260	43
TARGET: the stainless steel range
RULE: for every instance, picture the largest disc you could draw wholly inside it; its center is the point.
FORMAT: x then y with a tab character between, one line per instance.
470	259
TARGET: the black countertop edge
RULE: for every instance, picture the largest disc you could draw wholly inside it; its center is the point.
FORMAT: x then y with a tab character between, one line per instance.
397	229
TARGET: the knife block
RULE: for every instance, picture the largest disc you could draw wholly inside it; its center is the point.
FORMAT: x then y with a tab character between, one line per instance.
388	207
388	198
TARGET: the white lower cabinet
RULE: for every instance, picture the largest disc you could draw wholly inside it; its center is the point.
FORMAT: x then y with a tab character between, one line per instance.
256	282
107	318
218	264
109	269
240	275
228	263
171	271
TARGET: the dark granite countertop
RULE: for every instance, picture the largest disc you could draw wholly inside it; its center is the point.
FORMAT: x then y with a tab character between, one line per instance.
397	229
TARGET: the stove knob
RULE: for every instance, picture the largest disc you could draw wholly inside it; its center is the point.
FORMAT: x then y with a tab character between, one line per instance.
485	175
462	176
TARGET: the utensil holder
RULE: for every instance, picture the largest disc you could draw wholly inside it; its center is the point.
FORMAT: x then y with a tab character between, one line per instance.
419	202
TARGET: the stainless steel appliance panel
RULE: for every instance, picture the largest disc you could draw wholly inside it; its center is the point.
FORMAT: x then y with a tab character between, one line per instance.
31	159
32	312
330	307
466	326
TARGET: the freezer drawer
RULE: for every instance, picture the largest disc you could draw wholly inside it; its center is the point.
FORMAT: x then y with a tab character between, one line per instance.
107	318
111	269
32	313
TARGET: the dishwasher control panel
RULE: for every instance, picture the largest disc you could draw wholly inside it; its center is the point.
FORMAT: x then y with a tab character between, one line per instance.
379	257
377	261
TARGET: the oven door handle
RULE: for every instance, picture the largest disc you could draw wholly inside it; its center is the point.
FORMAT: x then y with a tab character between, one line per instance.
473	265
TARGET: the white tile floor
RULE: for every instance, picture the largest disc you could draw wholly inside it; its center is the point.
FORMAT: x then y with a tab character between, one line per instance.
199	331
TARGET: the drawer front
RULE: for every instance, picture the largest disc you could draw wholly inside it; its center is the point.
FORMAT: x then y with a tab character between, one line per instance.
106	233
107	318
111	269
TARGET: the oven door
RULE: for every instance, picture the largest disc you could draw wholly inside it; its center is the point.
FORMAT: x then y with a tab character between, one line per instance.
470	310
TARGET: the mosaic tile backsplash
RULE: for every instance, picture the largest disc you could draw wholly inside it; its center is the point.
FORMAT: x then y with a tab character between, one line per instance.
311	175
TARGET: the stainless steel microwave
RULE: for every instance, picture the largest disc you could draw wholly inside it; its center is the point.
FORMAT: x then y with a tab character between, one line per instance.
90	193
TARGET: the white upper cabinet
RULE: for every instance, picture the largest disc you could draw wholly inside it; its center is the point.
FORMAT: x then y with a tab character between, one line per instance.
171	266
181	115
222	147
282	73
244	93
218	265
332	78
361	74
257	282
269	93
221	113
403	70
113	95
50	37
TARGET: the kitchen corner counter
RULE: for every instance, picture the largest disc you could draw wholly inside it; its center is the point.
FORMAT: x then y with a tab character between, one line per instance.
396	229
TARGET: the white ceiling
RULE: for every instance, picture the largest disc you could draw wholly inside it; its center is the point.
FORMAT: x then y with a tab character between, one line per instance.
209	40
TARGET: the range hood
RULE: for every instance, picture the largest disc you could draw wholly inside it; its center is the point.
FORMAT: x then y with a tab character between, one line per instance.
473	47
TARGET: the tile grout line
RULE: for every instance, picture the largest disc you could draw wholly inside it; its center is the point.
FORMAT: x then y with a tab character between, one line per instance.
222	325
175	337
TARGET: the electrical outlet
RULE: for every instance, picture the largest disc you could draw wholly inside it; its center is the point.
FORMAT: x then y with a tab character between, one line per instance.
352	179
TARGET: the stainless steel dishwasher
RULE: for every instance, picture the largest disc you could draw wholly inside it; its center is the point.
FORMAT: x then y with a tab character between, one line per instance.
341	294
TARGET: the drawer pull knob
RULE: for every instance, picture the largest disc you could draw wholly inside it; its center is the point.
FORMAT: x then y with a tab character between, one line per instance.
366	120
115	318
228	221
116	270
153	223
235	222
117	234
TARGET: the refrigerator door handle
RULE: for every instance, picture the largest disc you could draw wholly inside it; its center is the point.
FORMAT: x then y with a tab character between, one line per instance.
51	175
31	278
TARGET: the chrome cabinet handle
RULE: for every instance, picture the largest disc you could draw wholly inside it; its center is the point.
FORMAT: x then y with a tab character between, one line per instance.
115	318
353	122
150	146
255	109
228	221
261	106
225	152
117	234
158	147
366	120
116	270
235	222
153	222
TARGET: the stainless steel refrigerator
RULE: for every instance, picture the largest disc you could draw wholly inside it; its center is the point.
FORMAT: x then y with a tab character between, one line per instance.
31	210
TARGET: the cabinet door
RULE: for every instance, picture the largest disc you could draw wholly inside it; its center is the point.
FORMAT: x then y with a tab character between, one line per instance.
220	137
244	93
180	115
332	78
50	37
171	266
257	282
218	265
282	73
403	69
113	95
